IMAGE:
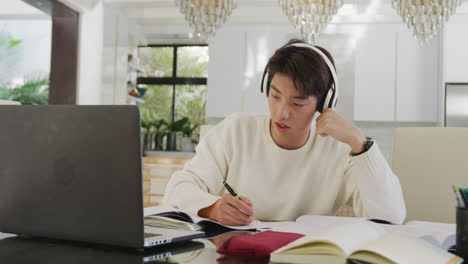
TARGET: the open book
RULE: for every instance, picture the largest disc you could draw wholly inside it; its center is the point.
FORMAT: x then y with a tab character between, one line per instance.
170	217
362	240
439	234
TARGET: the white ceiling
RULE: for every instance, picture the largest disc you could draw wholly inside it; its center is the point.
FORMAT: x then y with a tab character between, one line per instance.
165	12
161	19
153	15
17	9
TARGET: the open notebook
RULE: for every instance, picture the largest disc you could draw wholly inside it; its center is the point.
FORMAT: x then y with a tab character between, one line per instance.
170	217
365	241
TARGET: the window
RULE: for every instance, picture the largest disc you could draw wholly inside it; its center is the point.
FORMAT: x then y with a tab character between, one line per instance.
175	78
25	50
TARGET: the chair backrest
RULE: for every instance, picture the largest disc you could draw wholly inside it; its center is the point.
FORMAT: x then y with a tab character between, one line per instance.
7	102
428	160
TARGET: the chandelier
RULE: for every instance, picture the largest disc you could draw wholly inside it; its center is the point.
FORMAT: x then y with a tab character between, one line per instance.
425	17
206	16
310	17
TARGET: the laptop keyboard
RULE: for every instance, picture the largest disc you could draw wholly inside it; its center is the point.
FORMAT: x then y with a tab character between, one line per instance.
147	235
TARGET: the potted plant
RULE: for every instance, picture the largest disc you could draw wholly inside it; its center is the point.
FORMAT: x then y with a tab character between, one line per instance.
159	129
171	132
187	143
146	125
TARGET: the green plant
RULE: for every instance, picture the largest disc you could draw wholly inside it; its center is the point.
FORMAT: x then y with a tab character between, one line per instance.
32	92
177	125
159	125
171	130
188	129
146	125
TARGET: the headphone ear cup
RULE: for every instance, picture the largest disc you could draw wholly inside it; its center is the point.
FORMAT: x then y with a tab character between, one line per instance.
328	103
265	82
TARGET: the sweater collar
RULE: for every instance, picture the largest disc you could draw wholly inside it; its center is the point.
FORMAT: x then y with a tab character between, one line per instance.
306	146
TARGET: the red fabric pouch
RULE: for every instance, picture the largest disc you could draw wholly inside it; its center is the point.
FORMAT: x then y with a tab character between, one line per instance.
258	245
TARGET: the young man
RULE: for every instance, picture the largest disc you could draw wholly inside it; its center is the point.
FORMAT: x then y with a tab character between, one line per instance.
288	163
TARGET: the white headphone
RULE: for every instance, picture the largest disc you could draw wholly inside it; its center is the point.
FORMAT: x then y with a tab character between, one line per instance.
332	94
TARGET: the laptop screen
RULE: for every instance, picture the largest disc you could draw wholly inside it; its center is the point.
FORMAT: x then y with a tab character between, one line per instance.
72	172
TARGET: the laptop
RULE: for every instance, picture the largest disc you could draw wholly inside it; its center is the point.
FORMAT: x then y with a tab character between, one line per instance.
21	249
74	172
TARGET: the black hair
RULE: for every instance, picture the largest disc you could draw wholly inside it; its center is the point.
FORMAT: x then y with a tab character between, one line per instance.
307	69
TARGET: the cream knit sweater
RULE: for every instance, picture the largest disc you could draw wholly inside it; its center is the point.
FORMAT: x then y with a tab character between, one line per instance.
317	178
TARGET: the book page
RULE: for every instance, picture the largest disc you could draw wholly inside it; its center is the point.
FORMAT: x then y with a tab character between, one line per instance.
442	227
439	234
346	237
318	222
290	227
166	222
155	210
256	224
404	249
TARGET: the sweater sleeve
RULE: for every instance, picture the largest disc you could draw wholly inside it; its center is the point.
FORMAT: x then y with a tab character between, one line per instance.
377	191
200	183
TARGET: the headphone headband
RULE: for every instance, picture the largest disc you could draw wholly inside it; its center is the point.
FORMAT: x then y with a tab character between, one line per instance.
332	94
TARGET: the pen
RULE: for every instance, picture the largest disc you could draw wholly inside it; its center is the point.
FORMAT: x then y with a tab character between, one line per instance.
233	193
463	196
465	192
460	201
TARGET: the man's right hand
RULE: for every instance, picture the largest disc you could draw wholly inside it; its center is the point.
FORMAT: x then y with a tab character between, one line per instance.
229	210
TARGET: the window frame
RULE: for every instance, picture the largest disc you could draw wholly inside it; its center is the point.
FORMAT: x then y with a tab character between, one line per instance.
174	80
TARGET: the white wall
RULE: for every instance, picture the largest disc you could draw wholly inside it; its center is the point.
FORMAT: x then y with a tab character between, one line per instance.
261	42
225	77
455	49
418	78
239	53
90	56
121	37
375	74
384	74
454	61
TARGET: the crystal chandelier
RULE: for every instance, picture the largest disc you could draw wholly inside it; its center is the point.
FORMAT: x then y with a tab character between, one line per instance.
206	16
310	17
425	17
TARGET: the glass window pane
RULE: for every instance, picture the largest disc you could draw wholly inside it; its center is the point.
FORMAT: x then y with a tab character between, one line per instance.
192	61
158	103
32	91
191	102
25	48
157	61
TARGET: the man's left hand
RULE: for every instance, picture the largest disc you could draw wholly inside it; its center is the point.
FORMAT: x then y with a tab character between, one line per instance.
330	123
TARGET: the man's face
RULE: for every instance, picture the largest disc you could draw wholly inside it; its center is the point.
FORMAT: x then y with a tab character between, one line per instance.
291	112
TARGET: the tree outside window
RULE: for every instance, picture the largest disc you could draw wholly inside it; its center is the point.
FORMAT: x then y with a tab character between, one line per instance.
175	78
